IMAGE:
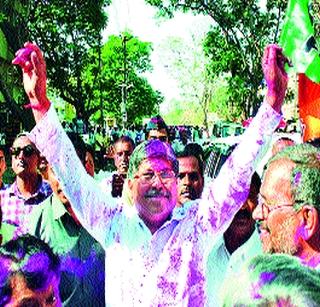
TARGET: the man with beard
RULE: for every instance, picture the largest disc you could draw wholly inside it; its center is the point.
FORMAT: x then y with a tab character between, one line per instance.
28	189
155	253
122	150
288	210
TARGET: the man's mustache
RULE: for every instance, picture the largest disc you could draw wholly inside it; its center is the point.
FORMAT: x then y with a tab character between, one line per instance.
157	193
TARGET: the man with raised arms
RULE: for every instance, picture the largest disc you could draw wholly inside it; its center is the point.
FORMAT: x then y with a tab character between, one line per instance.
156	254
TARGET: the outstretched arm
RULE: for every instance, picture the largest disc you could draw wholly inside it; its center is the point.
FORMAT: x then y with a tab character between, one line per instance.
229	190
273	62
30	59
88	201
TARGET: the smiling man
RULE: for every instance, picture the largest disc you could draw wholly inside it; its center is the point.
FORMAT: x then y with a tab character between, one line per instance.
156	254
288	210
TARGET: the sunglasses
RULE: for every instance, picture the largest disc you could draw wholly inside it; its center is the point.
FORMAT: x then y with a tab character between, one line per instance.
28	151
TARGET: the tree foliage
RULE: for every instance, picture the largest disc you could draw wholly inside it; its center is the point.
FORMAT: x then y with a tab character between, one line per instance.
64	30
124	59
80	70
235	43
187	64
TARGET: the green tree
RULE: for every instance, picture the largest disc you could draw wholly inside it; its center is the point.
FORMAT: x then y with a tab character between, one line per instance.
12	35
65	31
141	99
235	43
188	66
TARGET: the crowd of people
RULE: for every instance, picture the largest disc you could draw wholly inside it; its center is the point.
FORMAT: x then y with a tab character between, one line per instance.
168	227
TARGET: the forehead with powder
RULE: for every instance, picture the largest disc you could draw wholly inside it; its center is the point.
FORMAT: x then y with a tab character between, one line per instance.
152	149
303	163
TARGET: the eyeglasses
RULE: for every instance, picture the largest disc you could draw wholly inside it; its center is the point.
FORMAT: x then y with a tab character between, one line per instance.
267	208
164	175
28	151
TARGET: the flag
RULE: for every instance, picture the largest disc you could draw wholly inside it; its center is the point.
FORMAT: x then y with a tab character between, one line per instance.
298	39
309	108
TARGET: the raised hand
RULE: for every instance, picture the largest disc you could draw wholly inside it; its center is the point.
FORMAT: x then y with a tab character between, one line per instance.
30	59
276	78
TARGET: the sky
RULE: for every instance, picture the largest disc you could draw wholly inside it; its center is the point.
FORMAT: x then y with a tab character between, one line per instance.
140	18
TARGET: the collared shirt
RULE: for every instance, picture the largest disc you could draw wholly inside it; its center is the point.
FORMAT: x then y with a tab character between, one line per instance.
16	208
166	268
81	256
221	264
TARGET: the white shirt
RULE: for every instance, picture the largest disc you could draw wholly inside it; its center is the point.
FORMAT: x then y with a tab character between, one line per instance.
221	264
166	268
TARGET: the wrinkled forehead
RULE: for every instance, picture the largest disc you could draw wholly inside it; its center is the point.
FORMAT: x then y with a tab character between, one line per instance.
153	149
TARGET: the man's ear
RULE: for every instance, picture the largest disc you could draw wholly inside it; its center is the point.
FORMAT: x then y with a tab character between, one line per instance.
130	183
310	217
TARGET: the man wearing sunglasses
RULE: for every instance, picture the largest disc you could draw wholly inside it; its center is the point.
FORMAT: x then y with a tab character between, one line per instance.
289	204
28	189
155	253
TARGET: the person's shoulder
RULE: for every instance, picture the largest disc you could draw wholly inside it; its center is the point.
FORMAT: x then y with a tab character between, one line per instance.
8	191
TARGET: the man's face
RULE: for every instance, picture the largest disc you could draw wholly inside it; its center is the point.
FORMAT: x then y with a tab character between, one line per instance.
3	165
154	190
122	153
25	158
161	135
190	181
243	223
280	225
23	296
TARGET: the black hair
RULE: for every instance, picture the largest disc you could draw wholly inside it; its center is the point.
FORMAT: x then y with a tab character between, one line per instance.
194	150
30	258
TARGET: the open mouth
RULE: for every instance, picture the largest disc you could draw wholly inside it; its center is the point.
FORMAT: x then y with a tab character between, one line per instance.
185	193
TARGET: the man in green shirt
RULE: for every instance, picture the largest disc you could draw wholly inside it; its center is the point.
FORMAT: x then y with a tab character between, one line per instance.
82	258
